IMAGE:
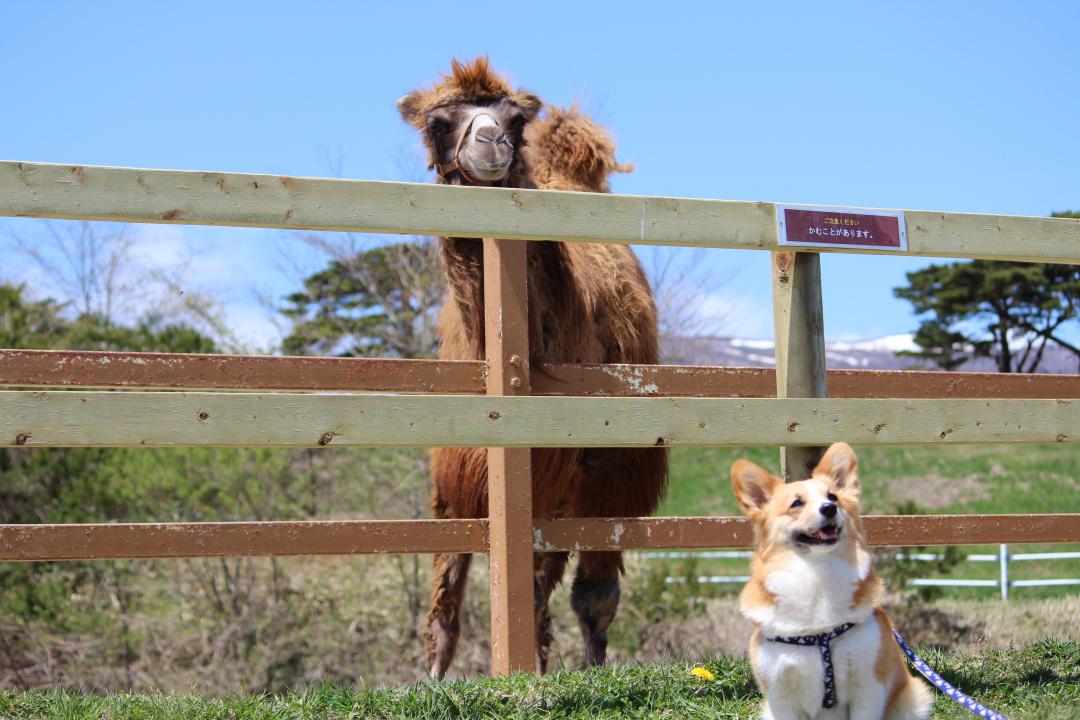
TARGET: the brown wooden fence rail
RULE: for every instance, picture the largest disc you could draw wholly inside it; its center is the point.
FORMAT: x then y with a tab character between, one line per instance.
319	402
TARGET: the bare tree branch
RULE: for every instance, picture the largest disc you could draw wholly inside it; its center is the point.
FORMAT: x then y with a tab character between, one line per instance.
89	265
95	270
682	282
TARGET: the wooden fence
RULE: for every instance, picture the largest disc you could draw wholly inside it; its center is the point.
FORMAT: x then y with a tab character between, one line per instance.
499	404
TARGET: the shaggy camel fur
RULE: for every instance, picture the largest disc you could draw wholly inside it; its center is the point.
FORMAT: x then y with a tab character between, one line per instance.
588	303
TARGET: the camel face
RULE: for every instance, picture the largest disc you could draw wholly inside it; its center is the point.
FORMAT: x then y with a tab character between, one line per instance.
472	124
474	144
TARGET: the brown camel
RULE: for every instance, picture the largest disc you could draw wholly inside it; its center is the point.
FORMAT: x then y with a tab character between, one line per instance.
588	303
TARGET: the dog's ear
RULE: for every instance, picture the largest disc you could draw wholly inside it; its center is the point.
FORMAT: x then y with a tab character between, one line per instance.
840	467
752	484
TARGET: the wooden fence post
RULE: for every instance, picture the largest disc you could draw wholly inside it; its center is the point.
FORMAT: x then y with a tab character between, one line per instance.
510	529
799	322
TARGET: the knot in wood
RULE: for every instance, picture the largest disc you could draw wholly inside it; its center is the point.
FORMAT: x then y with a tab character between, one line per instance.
783	261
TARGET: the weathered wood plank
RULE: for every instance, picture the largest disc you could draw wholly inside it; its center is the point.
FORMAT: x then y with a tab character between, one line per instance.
100	541
77	368
799	322
117	541
244	200
920	384
749	382
641	533
137	418
622	380
90	369
724	532
510	557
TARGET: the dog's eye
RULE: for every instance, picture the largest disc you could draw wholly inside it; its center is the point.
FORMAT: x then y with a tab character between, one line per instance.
798	503
832	498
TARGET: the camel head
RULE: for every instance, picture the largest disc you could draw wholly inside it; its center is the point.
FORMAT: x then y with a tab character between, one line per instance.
472	123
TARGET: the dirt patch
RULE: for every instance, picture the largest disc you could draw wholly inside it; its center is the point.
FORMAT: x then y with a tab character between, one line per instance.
715	628
935	491
932	625
1067	482
1002	625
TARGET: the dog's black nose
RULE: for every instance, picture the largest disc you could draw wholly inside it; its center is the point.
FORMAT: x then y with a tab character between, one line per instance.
828	509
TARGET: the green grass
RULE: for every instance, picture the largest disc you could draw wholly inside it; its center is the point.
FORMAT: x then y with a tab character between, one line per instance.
1040	681
1000	479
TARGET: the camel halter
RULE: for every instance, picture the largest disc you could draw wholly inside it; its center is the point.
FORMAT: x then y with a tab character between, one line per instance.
444	169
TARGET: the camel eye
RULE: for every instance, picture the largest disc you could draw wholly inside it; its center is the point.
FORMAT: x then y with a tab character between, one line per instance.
516	121
831	497
437	126
797	504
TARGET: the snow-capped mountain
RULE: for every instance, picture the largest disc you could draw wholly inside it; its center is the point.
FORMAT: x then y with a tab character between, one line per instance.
871	354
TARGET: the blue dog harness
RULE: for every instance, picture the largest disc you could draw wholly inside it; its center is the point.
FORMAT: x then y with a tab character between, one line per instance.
822	641
829	701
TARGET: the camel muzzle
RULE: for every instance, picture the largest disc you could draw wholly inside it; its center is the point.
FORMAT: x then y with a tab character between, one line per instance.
484	131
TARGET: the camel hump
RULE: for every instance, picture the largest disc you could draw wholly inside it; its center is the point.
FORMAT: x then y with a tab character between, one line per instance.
568	151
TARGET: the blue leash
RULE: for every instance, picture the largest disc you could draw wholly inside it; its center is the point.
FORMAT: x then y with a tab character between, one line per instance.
940	683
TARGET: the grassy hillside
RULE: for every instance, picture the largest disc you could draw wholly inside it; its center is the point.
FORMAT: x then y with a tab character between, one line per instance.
941	479
1041	681
932	480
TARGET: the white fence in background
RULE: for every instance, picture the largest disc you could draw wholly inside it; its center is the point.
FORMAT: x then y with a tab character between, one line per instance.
1003	558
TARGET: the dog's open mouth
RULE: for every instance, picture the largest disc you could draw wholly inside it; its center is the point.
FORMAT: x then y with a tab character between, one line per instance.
826	535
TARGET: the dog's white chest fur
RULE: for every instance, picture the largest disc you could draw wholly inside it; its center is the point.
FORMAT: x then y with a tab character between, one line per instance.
813	595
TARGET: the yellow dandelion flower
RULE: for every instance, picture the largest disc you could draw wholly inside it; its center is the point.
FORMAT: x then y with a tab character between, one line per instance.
702	673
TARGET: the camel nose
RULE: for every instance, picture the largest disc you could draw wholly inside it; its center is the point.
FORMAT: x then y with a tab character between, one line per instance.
828	509
490	134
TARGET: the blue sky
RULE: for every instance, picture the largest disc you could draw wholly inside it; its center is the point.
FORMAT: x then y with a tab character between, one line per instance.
969	107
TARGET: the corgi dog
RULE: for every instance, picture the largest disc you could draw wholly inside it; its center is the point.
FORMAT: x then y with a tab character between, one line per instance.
821	647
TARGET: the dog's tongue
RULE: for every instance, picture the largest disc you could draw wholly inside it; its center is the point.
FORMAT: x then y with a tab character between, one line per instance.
827	533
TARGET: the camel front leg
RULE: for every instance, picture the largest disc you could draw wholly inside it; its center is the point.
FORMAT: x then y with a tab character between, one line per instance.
548	569
443	619
594	596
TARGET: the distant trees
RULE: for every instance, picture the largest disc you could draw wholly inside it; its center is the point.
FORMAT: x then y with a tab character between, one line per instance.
1007	311
374	301
25	323
247	621
84	287
109	296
